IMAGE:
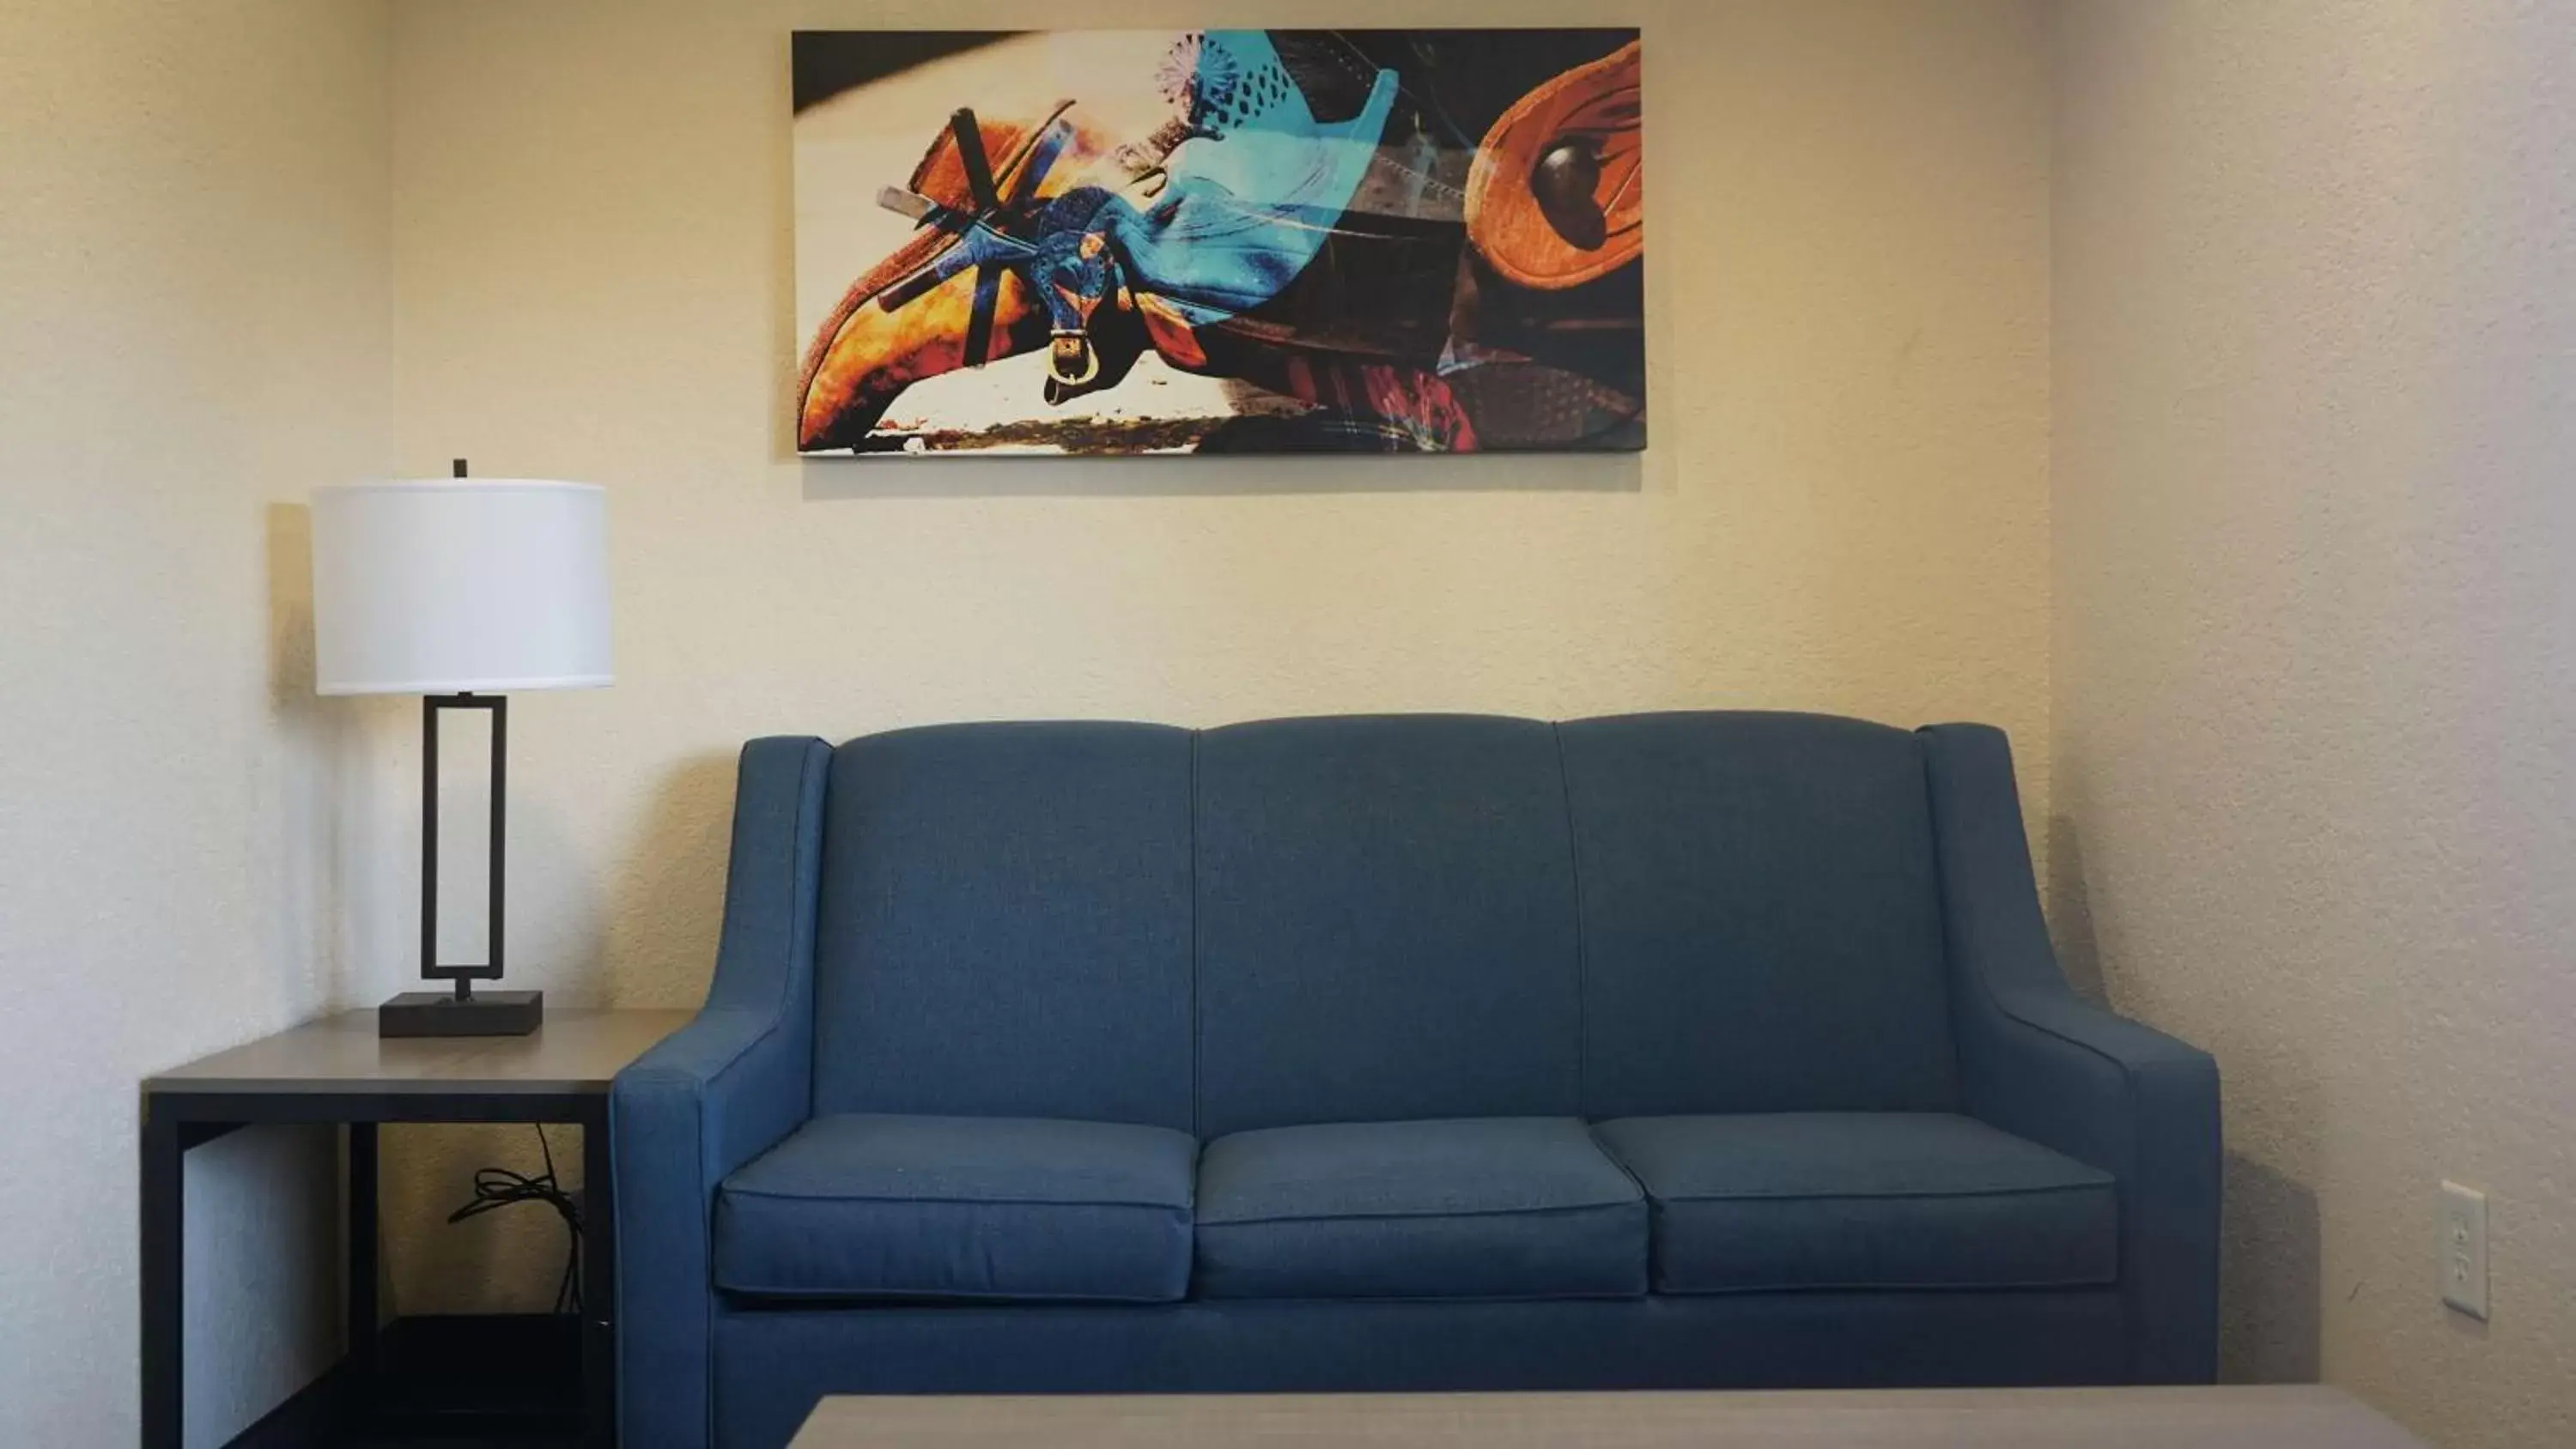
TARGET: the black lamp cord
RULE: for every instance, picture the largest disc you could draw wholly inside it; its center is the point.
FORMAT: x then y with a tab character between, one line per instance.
499	1187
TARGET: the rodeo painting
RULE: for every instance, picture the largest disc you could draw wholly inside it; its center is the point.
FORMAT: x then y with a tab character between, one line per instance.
1134	242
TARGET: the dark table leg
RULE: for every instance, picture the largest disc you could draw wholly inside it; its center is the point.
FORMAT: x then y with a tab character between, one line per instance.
363	1318
164	1223
598	1280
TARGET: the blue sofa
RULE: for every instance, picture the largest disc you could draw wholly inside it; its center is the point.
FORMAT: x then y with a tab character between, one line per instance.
1408	1052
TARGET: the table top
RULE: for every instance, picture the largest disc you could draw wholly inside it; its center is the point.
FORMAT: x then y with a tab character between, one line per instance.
2284	1417
576	1051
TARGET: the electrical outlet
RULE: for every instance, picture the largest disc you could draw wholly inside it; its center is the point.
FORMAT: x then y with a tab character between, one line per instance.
2464	1249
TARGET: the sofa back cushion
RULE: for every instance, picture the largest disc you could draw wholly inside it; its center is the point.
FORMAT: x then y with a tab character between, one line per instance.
1357	919
1386	924
1761	924
1004	926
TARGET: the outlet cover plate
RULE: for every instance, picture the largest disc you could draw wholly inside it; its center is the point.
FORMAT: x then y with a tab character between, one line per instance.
2464	1249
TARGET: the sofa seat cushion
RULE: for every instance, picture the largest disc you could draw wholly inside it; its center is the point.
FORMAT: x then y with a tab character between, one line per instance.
1864	1200
1504	1207
868	1206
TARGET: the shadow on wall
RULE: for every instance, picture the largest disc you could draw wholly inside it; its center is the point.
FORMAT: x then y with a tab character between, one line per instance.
309	880
502	1262
2270	1275
2070	913
666	909
290	608
1230	476
2270	1304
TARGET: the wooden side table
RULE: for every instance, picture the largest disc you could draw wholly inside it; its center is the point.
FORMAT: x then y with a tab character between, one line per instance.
337	1070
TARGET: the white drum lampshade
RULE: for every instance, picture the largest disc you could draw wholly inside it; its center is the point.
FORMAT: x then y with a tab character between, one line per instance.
464	592
454	585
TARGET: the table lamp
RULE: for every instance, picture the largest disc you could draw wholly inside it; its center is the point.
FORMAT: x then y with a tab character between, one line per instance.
462	591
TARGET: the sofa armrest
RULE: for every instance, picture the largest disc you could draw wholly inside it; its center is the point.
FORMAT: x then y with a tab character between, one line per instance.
2038	1061
714	1094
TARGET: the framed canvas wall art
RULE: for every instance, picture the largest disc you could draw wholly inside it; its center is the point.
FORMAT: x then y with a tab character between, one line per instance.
1139	242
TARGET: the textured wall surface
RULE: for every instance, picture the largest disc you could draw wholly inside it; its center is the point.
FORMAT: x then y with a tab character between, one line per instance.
249	248
1844	507
194	203
2315	560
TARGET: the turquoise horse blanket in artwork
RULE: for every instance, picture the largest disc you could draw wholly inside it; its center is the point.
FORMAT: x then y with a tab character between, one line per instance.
1247	200
1255	191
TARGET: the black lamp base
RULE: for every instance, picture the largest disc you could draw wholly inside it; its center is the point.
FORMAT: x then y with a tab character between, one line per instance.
444	1013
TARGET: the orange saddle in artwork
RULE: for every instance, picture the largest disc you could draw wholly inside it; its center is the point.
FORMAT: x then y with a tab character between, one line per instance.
1557	194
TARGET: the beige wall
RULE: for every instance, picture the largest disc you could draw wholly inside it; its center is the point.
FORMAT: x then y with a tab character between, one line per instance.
1845	505
2315	560
259	246
194	203
2308	787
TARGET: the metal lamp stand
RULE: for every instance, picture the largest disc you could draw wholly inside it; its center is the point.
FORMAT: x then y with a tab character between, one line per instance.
461	1012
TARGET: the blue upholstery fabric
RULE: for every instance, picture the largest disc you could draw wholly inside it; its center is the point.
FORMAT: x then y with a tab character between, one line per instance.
1006	924
1863	1200
1385	923
961	1207
1499	1207
776	1363
1761	924
2039	1062
714	1094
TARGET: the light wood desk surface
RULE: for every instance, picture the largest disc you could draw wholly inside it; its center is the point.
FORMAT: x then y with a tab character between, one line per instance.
2289	1417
